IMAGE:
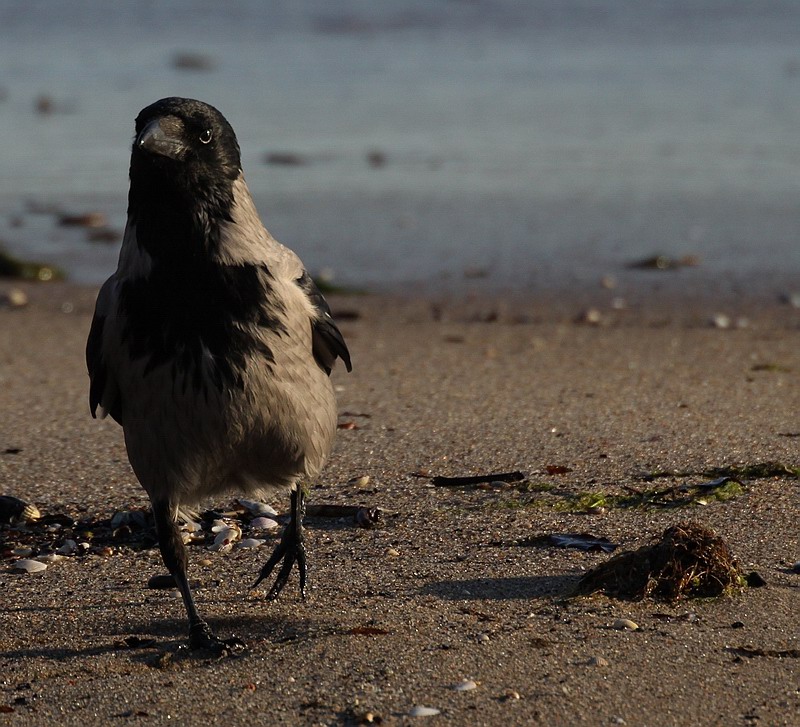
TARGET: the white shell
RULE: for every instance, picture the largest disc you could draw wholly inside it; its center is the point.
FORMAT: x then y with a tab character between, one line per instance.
257	508
465	686
625	624
250	543
264	523
27	565
228	535
420	711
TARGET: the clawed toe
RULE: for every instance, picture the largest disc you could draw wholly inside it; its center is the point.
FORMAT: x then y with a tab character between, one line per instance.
201	637
290	550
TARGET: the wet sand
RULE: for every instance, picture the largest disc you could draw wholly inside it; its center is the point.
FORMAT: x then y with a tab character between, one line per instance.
443	590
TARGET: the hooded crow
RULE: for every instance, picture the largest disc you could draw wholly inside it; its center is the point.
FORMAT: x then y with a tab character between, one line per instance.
210	344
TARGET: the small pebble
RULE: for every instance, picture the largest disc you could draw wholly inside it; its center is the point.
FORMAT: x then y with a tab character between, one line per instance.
483	638
465	686
26	565
591	316
22	552
796	567
67	548
14	298
393	553
625	624
89	219
50	558
420	711
720	320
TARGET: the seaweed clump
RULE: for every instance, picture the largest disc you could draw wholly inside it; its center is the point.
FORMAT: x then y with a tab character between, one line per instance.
688	561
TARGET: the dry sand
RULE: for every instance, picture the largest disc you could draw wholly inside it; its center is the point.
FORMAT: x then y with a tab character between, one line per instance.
443	590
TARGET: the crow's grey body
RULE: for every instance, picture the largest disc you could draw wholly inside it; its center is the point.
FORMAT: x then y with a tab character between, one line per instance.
210	344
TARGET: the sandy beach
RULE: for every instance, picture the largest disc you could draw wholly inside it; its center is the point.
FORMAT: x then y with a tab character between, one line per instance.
449	586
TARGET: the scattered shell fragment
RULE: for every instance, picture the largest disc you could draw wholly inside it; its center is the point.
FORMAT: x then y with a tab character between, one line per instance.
264	523
625	624
225	539
483	638
12	509
420	711
26	565
393	553
250	543
50	558
465	686
597	661
359	482
257	508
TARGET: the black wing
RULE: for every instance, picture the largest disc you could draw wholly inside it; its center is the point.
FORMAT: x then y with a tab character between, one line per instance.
98	371
327	342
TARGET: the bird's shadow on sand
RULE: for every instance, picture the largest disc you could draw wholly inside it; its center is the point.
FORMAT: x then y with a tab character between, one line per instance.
501	589
147	642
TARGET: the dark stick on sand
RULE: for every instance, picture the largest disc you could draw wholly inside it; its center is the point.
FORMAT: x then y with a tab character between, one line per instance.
477	479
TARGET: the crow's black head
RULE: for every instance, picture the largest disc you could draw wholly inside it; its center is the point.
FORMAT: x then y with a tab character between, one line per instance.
185	151
184	161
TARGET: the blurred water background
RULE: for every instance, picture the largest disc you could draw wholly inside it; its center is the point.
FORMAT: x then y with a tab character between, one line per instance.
429	143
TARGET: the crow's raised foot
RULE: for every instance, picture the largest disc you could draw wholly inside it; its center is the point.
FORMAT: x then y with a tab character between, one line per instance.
201	637
290	550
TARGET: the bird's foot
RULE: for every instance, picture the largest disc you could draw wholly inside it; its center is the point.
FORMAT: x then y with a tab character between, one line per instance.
202	637
290	550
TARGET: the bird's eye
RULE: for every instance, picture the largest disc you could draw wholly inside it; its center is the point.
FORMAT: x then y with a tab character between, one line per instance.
205	137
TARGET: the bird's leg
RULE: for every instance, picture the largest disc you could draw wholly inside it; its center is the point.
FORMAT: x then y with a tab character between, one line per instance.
291	549
173	552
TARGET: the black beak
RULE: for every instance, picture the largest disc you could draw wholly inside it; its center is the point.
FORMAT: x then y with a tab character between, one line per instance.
156	139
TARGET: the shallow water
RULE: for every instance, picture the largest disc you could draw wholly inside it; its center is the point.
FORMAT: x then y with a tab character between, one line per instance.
524	142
